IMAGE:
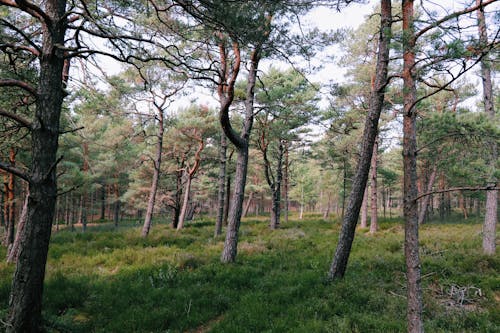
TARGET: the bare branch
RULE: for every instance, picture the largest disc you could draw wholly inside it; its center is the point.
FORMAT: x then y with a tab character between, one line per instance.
464	188
15	171
17	118
20	84
29	8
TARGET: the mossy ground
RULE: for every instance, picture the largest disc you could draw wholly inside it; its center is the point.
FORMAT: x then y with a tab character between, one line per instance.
109	280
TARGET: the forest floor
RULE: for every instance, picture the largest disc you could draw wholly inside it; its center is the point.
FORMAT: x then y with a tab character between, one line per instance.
107	280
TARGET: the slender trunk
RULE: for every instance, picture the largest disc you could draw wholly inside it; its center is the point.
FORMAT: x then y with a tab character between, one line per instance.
461	204
11	202
364	210
373	186
286	184
116	205
301	214
227	200
249	202
491	215
156	176
25	304
185	202
13	252
326	213
241	142
221	181
339	263
102	216
425	201
231	242
177	197
410	191
276	189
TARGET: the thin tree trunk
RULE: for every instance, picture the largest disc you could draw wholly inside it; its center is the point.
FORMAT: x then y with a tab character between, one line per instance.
116	205
410	191
227	200
339	263
13	252
102	217
11	202
364	210
491	215
249	202
156	176
425	201
221	181
241	142
231	242
25	304
374	190
286	183
185	202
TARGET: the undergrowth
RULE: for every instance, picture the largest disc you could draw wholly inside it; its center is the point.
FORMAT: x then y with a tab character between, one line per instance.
109	280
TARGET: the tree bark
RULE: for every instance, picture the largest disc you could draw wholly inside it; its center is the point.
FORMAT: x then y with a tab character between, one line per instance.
410	191
156	176
221	181
10	202
364	210
13	252
339	263
491	215
185	202
374	190
25	302
116	205
425	202
241	142
286	183
247	205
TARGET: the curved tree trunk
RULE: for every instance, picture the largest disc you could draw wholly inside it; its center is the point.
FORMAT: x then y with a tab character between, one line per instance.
25	304
339	263
156	177
241	142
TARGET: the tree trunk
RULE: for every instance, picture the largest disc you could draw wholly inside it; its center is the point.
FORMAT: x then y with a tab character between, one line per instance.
156	176
221	181
491	215
373	186
116	205
425	201
13	252
231	243
25	304
410	191
102	216
364	210
11	202
276	189
286	183
185	202
249	202
227	200
241	142
339	263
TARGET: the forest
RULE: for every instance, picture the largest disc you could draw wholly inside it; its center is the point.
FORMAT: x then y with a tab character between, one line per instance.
235	166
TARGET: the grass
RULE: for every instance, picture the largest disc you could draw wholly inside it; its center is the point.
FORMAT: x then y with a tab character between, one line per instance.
116	281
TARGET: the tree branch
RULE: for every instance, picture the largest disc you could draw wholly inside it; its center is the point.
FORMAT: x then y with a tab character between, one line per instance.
452	16
20	84
15	171
464	188
29	8
17	118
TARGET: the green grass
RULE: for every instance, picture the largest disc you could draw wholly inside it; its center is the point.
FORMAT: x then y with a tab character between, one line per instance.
115	281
